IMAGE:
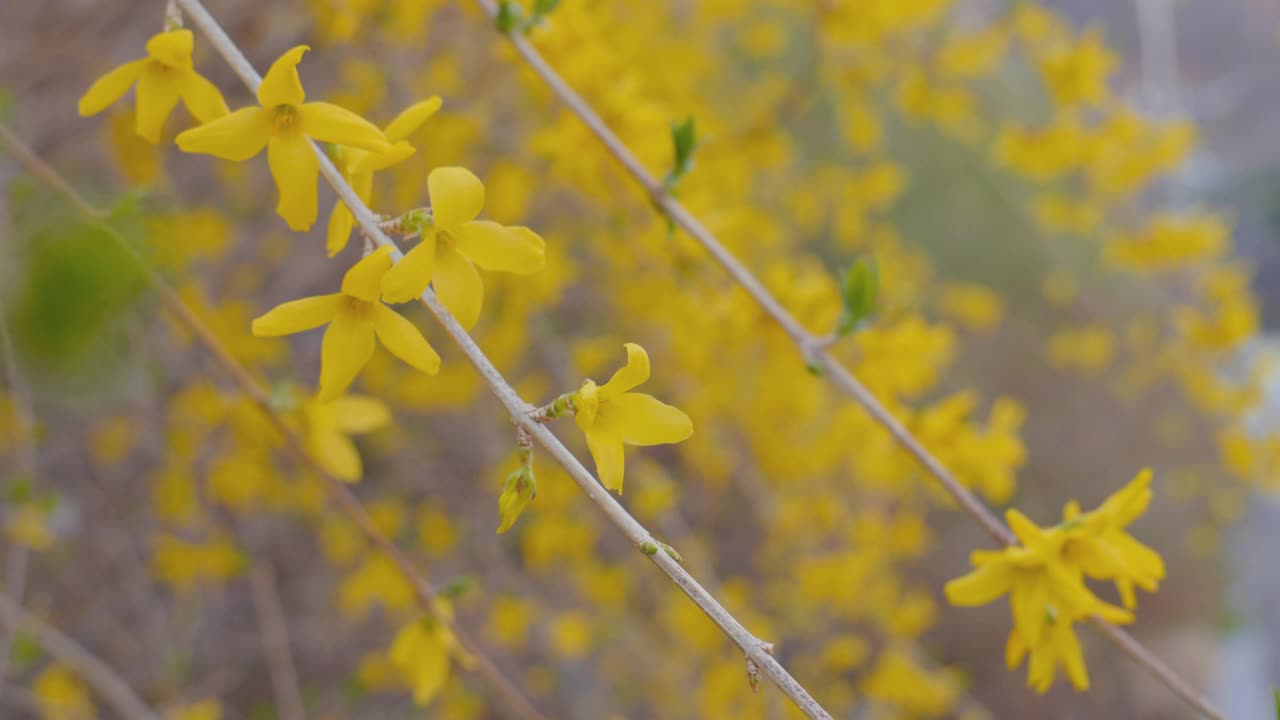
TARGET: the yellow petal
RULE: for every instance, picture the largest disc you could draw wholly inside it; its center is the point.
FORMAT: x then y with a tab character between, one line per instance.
295	168
202	98
327	122
606	449
980	586
458	284
1028	533
172	48
336	453
375	161
282	86
409	278
158	92
586	403
340	222
347	346
635	372
457	196
1014	650
110	87
360	413
421	654
404	340
364	279
297	316
1068	650
498	248
645	420
407	122
1027	603
238	136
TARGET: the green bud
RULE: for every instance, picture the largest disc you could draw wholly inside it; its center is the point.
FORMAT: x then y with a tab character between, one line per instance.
649	548
541	9
517	490
684	140
859	291
458	586
25	650
671	552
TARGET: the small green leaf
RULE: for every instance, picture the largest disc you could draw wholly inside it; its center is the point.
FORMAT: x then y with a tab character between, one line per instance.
859	291
20	489
541	9
25	651
684	140
1275	695
814	367
509	16
458	586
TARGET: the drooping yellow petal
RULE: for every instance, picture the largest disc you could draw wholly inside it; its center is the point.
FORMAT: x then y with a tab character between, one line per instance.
1027	603
360	413
457	196
327	122
1014	650
173	48
407	122
644	420
110	87
347	347
499	248
364	279
1067	647
458	284
158	91
606	449
339	230
632	374
202	97
336	453
237	137
372	162
295	168
297	316
404	340
281	85
409	278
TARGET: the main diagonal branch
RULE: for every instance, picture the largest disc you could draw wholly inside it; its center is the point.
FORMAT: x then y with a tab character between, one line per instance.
756	650
814	347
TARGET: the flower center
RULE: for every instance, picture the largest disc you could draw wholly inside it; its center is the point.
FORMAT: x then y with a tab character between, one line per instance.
285	118
357	306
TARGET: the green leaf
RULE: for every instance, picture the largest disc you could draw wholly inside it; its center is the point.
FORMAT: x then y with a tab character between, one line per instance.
859	291
509	16
684	140
25	650
541	9
458	586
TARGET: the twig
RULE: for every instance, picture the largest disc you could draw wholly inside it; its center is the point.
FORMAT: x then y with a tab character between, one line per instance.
275	641
808	343
754	648
98	674
18	560
338	491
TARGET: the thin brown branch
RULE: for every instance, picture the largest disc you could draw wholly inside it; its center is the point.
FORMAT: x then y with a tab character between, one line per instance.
275	641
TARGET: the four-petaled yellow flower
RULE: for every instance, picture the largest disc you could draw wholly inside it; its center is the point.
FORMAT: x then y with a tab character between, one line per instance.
163	77
285	125
1044	577
611	416
327	426
421	652
358	166
354	317
454	243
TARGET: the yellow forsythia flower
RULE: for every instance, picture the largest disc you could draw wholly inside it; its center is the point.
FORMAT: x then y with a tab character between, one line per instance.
285	125
1044	577
358	167
61	695
611	416
328	424
455	243
420	652
163	77
354	316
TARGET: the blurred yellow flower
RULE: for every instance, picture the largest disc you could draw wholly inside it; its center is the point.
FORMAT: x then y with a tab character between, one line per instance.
327	426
